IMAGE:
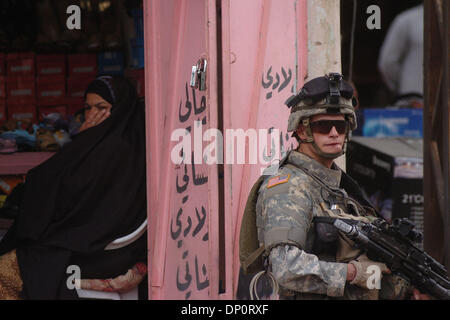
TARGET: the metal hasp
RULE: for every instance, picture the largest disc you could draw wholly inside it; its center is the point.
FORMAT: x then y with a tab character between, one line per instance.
198	75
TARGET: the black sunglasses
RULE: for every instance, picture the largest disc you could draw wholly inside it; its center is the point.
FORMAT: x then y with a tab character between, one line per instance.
325	126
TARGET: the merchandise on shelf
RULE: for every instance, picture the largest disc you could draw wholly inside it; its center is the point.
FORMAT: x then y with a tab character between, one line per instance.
82	65
45	111
2	199
20	64
390	170
2	111
137	53
2	87
392	122
137	77
51	65
74	105
21	110
20	89
2	64
9	182
110	63
76	86
51	90
138	22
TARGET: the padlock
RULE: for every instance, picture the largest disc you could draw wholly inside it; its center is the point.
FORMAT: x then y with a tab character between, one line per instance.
193	82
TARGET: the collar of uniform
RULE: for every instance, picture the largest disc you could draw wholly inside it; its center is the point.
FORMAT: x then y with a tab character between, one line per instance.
332	177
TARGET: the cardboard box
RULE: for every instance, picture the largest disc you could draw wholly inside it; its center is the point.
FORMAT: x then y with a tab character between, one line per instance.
9	182
20	64
2	87
21	110
390	170
46	110
82	65
51	90
2	111
76	86
2	64
51	65
138	23
74	105
392	122
21	89
110	63
137	54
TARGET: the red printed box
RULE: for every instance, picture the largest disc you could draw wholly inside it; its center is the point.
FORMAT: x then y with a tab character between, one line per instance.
21	88
2	87
51	65
76	86
2	64
2	111
137	77
21	111
74	105
20	64
51	90
82	65
45	111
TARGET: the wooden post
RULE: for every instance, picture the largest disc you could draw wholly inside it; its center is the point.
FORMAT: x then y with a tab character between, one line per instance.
324	42
436	130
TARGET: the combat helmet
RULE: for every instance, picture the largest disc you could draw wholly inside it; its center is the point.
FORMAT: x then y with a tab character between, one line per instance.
329	94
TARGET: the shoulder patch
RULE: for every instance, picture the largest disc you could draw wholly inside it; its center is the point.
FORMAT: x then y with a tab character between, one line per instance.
278	180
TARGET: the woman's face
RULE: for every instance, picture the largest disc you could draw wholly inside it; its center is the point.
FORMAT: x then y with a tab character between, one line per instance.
96	104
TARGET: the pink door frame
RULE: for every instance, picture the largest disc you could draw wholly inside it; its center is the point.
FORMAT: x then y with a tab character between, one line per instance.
259	40
176	35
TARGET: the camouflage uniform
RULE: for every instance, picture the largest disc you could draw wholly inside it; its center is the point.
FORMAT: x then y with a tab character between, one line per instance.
286	205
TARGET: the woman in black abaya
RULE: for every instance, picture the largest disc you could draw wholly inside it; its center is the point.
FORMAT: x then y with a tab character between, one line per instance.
88	194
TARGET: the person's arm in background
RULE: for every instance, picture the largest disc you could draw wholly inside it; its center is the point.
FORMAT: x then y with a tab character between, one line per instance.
392	53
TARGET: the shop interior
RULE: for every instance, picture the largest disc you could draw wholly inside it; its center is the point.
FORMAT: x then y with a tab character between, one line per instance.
46	63
385	154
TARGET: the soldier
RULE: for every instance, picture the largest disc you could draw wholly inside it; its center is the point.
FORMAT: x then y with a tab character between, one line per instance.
309	259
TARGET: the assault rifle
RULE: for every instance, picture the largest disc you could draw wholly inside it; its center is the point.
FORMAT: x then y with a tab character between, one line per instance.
394	245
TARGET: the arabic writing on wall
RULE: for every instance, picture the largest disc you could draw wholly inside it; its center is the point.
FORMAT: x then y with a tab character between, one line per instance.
189	228
280	83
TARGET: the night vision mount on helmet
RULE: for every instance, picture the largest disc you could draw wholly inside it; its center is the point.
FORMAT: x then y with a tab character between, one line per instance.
329	94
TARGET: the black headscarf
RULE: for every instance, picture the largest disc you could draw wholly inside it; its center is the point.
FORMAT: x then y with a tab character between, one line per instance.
102	87
88	194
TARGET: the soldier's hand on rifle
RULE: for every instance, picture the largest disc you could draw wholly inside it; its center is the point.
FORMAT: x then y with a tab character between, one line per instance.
360	272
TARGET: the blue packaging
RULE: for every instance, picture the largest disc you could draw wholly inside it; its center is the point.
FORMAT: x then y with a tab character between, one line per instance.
393	122
138	21
111	63
137	53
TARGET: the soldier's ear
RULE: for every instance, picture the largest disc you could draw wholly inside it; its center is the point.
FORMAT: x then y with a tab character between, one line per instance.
301	132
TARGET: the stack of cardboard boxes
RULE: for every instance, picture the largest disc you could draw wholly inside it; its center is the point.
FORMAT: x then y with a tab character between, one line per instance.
2	87
390	171
51	84
82	69
35	85
32	86
21	86
137	44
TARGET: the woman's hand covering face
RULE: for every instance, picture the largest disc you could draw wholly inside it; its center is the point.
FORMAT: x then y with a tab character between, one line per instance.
97	110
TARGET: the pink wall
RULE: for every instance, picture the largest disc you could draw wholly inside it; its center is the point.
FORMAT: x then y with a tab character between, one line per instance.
261	42
265	41
182	198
